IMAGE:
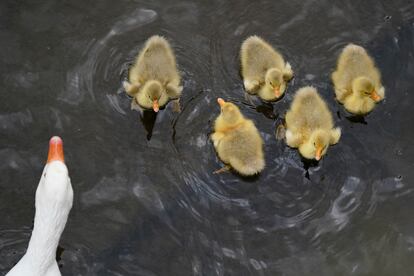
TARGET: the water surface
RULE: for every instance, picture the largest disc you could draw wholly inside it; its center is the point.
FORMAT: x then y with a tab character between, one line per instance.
146	201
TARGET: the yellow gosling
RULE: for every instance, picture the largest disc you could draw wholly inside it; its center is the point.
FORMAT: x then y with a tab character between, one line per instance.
310	125
237	141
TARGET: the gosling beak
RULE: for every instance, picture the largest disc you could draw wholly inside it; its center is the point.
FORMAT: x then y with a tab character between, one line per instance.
55	150
276	89
155	105
318	153
221	102
375	96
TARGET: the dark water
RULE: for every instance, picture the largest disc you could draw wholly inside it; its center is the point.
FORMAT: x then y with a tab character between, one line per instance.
153	207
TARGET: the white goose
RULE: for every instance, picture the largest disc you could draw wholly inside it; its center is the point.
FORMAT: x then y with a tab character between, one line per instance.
54	198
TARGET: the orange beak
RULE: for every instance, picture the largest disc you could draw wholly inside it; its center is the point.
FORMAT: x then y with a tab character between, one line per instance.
55	150
221	102
155	105
318	153
276	89
375	96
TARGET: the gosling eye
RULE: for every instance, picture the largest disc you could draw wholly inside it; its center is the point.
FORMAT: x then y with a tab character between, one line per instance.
314	144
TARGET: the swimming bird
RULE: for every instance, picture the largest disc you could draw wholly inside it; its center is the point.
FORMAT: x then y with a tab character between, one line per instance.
237	141
264	71
154	79
54	198
357	80
310	124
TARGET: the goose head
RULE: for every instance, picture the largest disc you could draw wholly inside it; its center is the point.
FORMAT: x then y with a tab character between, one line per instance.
230	113
274	80
152	92
54	198
365	88
54	194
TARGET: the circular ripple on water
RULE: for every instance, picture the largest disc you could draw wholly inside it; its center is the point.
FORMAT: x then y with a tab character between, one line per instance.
104	59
